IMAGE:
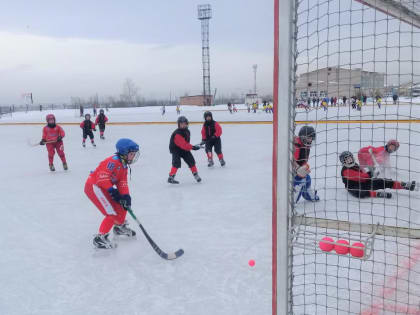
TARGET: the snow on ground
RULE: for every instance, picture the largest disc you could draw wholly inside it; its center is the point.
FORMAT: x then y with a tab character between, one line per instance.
49	266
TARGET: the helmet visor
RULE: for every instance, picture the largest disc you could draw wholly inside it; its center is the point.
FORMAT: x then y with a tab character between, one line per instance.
132	157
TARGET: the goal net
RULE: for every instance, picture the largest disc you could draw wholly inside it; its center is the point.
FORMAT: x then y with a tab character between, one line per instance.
351	70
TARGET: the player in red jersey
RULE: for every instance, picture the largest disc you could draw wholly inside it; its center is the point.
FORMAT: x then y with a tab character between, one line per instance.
210	135
52	137
87	126
107	188
375	157
362	184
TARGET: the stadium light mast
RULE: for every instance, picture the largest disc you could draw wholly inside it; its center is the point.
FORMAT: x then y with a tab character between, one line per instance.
255	78
204	15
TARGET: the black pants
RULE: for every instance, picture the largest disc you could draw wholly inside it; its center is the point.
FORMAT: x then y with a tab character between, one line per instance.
87	133
185	155
363	190
102	127
216	143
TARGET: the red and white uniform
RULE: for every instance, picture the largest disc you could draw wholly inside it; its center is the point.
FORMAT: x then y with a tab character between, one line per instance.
50	135
110	172
380	154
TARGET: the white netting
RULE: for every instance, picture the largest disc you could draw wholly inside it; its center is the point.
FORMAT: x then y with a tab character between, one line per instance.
358	84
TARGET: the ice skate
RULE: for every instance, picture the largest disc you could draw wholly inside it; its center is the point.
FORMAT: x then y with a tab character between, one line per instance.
171	180
123	229
211	163
385	195
65	167
222	162
197	177
52	168
102	241
411	186
84	144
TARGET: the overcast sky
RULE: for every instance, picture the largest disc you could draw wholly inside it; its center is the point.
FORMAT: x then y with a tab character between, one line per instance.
59	49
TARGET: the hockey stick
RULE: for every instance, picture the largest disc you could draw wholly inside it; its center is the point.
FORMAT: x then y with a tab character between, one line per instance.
376	171
31	144
161	253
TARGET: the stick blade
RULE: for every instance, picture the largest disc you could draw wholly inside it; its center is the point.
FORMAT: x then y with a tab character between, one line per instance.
172	256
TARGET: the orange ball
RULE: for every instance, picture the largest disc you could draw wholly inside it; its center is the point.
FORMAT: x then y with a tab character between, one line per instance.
358	252
340	247
326	244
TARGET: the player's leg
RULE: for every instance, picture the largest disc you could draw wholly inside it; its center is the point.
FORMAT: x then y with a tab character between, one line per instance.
91	136
51	153
176	164
302	187
189	159
218	150
102	131
84	138
209	152
59	147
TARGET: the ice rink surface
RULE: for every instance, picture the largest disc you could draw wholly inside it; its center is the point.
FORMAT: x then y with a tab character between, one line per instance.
48	264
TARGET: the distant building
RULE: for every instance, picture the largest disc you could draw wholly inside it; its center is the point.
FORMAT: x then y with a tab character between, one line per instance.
334	81
200	100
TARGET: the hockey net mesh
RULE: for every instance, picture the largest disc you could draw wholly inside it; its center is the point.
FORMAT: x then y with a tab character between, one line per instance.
369	61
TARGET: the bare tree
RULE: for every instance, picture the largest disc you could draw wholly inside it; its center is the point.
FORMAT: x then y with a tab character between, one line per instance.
130	91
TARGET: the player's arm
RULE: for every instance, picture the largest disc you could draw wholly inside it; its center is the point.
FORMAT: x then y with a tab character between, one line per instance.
61	134
218	130
44	136
203	133
93	126
97	120
82	124
180	142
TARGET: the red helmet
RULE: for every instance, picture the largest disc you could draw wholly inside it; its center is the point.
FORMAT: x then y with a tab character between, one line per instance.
50	116
393	142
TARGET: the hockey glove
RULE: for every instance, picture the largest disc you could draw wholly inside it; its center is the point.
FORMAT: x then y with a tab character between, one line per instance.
203	142
195	147
42	142
115	194
303	170
94	129
59	138
125	201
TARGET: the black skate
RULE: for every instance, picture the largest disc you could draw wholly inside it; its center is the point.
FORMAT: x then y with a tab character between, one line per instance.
197	178
385	195
222	162
52	168
93	143
123	229
171	180
84	145
65	166
102	137
411	186
211	163
102	241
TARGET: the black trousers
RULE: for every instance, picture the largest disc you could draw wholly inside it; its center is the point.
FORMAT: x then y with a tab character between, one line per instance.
185	155
216	143
87	133
102	127
363	190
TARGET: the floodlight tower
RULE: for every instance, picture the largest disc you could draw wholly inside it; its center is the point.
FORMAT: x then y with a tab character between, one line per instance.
204	14
255	78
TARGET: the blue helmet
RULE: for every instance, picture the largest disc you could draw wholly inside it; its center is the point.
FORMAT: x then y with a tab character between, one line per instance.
125	146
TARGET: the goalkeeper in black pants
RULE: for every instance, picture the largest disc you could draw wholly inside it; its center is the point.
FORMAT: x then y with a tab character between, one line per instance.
210	135
361	184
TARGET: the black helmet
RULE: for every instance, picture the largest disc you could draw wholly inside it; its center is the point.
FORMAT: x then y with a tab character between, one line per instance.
101	111
86	116
347	159
307	134
207	114
182	119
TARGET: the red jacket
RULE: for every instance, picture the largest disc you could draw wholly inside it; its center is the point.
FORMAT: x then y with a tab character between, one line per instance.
110	172
379	153
92	125
97	119
51	134
210	130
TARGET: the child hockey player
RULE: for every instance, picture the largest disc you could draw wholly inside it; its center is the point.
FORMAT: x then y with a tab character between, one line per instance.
210	135
362	184
101	121
302	181
107	188
87	126
376	157
180	147
52	136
